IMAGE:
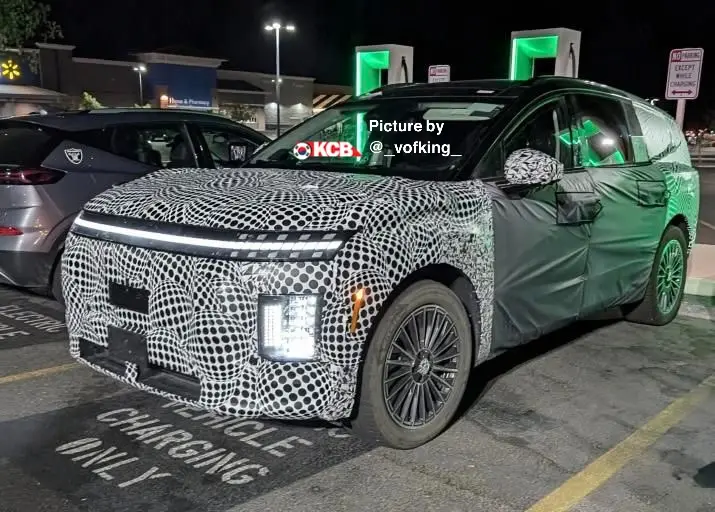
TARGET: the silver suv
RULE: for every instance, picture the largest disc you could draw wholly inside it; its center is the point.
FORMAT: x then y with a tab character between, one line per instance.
50	165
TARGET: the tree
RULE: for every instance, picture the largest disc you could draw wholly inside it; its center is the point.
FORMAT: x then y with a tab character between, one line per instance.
89	102
240	113
23	22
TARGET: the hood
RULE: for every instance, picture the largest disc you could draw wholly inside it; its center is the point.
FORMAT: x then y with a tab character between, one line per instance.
271	199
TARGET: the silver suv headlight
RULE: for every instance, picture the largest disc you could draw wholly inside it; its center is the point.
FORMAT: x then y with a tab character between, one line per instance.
288	327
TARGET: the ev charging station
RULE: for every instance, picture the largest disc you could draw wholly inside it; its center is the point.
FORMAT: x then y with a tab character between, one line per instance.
560	44
379	65
388	64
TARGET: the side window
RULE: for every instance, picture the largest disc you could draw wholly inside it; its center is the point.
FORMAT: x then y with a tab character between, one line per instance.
160	145
656	131
227	147
638	142
603	131
100	138
546	130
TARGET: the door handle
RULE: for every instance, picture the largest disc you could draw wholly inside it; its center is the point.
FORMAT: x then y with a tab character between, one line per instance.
652	194
575	208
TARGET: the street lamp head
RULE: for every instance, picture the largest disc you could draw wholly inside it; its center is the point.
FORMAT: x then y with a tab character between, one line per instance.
141	68
278	26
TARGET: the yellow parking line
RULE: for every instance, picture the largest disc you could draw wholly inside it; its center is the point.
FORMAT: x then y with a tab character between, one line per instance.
37	373
599	471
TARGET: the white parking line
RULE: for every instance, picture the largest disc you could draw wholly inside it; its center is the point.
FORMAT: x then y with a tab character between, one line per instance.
707	225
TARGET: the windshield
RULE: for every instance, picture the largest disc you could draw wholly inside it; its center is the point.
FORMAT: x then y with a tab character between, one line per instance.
411	137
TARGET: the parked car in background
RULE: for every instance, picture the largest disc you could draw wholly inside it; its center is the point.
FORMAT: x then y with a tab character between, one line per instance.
51	165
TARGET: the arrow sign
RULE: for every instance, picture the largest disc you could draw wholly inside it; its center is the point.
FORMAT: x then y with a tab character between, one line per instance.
684	68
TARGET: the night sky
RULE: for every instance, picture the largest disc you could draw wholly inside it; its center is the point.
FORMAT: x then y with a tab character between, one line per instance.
623	44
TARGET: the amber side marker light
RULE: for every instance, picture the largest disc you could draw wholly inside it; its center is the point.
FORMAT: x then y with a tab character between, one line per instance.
358	303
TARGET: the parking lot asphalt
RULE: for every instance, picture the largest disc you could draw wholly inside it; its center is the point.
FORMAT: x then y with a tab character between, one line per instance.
706	224
603	416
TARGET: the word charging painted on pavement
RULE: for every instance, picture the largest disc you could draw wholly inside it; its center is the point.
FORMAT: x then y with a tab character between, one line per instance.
438	74
118	466
684	71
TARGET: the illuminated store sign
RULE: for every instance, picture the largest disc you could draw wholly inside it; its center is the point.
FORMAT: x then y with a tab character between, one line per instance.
10	69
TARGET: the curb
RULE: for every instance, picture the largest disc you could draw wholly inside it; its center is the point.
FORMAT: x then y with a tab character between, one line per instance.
700	287
694	306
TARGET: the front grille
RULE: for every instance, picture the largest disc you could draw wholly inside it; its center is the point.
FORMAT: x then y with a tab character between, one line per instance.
158	378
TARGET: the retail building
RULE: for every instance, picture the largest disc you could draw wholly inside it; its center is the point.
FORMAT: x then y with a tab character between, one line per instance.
52	76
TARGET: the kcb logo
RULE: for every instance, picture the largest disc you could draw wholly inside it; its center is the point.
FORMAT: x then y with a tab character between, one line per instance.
325	149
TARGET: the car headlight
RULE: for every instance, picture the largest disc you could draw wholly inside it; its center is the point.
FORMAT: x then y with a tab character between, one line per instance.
288	327
213	243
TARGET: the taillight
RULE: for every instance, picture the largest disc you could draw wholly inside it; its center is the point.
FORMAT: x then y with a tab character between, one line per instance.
29	176
9	231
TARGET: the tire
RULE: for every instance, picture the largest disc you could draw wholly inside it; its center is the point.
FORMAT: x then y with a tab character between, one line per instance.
56	284
377	421
652	310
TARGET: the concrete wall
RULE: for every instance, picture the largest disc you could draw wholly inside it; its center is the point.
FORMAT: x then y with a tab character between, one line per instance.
296	95
331	89
113	83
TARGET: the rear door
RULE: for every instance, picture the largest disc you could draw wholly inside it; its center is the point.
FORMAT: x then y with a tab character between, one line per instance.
93	161
633	196
137	148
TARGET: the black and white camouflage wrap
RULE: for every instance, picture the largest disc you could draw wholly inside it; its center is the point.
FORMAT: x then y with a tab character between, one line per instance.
199	304
532	167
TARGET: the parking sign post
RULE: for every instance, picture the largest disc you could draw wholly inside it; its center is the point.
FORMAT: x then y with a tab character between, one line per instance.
684	69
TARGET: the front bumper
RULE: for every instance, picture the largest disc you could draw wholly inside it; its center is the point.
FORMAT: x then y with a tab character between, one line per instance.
200	330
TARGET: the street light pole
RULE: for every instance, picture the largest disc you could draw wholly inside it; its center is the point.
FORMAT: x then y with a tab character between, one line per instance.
278	81
277	27
141	91
140	70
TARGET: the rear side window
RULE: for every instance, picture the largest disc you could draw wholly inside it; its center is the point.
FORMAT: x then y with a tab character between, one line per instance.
160	145
24	144
663	138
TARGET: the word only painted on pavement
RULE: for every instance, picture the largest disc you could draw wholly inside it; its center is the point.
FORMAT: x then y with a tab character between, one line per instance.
181	445
27	318
103	461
